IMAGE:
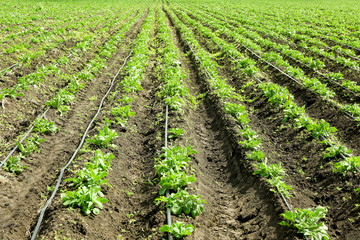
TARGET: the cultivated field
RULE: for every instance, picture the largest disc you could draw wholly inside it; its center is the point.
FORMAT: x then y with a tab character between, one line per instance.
180	119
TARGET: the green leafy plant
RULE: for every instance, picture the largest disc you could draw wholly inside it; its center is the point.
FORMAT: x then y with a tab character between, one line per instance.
74	86
32	145
123	114
175	159
256	155
253	143
89	177
62	97
89	199
302	121
174	181
336	151
274	174
13	165
293	111
43	126
335	76
100	161
175	133
125	99
267	171
353	109
104	137
238	112
178	230
11	93
182	201
63	60
321	129
280	186
247	133
306	221
349	164
276	94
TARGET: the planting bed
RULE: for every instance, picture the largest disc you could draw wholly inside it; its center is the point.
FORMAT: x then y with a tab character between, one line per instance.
181	119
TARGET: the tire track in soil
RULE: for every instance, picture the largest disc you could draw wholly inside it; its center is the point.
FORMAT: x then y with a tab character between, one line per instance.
20	196
239	204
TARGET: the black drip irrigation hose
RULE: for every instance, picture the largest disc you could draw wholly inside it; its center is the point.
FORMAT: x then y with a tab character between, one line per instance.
344	54
322	75
168	212
29	131
26	135
41	216
281	195
357	49
341	155
9	67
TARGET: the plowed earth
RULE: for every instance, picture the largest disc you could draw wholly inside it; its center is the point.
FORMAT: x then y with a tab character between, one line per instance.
239	204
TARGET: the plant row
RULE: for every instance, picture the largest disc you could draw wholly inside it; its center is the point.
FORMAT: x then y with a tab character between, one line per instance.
316	65
283	31
25	53
274	173
89	180
337	34
273	57
280	97
45	34
65	97
38	77
173	165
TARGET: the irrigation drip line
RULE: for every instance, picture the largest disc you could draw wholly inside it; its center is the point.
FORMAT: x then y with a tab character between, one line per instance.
14	65
343	53
323	75
197	58
293	79
168	212
341	155
357	49
9	67
26	135
41	216
29	131
282	196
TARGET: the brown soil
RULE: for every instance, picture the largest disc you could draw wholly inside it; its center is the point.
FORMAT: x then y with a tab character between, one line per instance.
27	108
131	213
239	204
22	196
312	177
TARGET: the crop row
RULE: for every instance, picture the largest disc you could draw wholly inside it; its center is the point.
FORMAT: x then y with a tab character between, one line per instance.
315	64
312	83
337	33
86	186
281	97
66	96
273	172
24	53
173	165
